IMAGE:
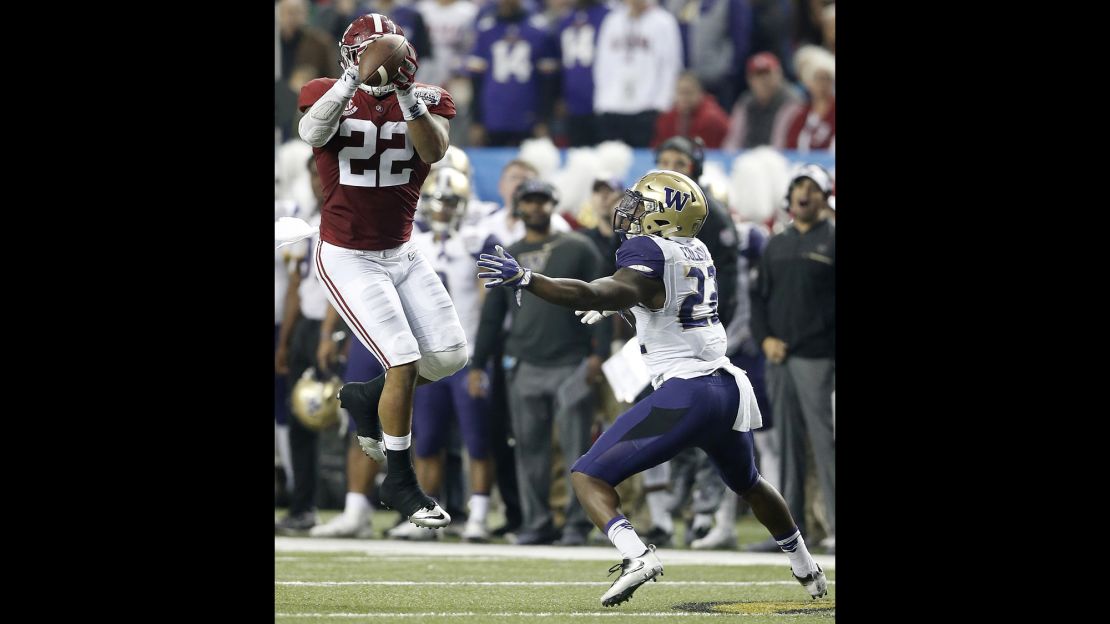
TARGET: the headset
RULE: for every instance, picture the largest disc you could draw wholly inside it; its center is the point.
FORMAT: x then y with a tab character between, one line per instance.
814	172
693	148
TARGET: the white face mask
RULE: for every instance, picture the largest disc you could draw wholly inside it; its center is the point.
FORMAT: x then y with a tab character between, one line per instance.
379	92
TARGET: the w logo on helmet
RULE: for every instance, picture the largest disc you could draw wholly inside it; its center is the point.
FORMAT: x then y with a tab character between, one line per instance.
676	199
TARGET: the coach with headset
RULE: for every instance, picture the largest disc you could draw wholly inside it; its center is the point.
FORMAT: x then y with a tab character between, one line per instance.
794	321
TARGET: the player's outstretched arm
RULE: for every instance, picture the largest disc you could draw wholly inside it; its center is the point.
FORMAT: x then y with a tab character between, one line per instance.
623	289
620	291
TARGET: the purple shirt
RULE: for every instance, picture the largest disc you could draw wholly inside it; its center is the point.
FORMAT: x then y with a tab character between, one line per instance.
577	43
510	53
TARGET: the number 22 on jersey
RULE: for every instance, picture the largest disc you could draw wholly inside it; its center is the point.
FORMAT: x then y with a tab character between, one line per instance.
384	175
696	310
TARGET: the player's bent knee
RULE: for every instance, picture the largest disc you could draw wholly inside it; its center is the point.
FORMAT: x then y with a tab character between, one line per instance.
436	365
751	484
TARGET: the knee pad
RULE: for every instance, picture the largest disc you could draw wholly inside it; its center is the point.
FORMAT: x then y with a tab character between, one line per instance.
436	365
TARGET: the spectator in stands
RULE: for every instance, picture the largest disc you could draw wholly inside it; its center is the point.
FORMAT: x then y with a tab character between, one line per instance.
764	114
639	57
301	44
513	66
716	38
576	37
451	28
814	127
695	114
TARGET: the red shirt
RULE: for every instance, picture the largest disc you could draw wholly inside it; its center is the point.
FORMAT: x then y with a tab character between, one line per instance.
707	121
371	173
810	132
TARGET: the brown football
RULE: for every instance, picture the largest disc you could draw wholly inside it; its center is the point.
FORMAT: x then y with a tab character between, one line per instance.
381	59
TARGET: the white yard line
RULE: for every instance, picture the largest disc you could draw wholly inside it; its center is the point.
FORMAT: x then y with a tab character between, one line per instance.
529	583
561	615
430	550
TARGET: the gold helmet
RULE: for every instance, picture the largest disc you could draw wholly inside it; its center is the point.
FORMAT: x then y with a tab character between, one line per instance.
315	401
666	203
443	199
454	158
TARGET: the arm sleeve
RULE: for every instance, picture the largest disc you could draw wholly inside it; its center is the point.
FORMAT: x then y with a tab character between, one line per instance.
324	100
760	292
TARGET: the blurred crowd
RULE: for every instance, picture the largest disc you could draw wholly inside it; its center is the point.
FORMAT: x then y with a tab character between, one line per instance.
736	73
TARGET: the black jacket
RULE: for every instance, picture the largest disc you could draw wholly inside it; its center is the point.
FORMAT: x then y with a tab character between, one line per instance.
720	238
794	294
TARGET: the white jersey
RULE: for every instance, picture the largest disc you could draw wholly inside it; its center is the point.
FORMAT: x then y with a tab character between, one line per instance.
314	301
453	260
637	61
282	208
451	28
684	338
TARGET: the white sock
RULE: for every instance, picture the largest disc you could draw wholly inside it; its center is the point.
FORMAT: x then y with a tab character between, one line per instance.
357	504
801	562
659	503
395	443
624	537
725	516
479	506
285	452
701	521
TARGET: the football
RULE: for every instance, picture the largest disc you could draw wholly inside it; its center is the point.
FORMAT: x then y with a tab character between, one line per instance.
379	62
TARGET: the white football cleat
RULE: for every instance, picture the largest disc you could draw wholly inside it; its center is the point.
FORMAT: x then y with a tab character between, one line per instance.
345	525
431	517
634	573
412	533
718	538
475	532
815	583
374	449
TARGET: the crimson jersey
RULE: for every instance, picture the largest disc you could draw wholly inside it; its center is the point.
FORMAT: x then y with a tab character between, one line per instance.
371	173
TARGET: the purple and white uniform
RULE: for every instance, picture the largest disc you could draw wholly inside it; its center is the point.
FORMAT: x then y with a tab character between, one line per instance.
452	258
700	398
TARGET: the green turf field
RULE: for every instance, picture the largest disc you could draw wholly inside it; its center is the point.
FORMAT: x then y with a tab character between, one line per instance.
382	580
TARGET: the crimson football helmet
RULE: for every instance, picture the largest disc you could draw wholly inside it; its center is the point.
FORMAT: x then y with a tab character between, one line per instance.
358	35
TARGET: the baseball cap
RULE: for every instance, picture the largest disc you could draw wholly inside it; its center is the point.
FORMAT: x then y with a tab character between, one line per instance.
535	186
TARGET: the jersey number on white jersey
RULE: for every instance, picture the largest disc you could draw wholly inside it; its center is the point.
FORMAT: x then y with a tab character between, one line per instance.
384	176
696	310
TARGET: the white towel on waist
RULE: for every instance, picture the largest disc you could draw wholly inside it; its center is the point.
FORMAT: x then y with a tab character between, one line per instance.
748	416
